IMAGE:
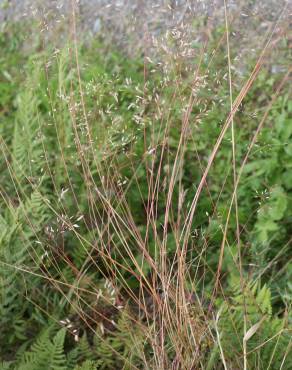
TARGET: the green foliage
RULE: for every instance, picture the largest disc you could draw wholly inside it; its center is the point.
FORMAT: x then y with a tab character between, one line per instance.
87	365
271	338
82	215
48	354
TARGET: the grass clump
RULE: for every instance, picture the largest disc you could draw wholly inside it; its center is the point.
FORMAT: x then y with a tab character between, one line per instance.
133	236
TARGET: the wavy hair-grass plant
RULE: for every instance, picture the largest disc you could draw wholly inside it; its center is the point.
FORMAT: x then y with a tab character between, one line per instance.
127	215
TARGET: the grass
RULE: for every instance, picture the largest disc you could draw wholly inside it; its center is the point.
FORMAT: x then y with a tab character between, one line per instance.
145	206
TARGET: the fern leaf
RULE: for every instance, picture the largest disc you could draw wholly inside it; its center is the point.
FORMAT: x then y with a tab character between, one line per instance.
87	365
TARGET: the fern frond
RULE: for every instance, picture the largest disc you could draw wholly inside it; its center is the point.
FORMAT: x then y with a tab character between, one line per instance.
87	365
46	354
5	365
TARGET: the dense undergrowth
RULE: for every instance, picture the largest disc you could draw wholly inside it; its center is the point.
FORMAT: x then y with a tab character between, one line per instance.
116	251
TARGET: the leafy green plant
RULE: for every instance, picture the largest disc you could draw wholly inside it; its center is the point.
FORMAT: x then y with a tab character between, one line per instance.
266	338
119	245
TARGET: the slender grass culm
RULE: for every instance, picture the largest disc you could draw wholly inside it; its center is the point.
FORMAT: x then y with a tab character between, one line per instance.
145	191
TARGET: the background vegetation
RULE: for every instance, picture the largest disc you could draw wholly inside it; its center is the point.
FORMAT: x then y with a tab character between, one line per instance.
145	218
